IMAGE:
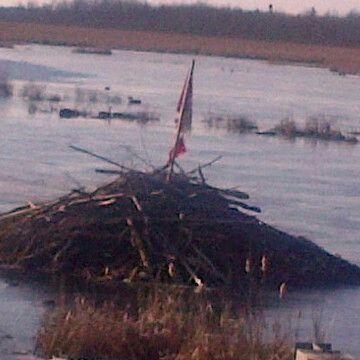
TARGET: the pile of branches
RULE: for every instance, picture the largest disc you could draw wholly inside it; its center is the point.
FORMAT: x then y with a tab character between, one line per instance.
143	226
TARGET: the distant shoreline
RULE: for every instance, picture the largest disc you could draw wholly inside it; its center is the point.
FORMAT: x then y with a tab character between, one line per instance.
343	60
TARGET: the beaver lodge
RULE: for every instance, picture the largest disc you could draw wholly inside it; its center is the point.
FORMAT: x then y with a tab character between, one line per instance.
142	227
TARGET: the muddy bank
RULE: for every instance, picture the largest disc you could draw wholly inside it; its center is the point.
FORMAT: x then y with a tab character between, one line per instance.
142	228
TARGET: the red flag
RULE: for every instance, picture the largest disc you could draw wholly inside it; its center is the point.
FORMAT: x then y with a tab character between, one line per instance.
184	106
183	118
177	150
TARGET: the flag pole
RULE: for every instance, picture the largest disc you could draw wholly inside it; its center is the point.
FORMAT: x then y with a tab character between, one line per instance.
172	158
180	125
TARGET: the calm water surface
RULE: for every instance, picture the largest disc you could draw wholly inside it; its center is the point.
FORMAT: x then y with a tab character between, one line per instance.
306	188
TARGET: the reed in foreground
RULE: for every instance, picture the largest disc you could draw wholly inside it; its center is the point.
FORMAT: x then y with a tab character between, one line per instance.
160	327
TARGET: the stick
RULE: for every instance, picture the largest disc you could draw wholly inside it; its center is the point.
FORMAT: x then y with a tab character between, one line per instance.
136	203
128	148
137	243
110	172
76	148
210	264
15	213
234	193
146	221
96	198
205	165
202	177
197	280
179	167
245	206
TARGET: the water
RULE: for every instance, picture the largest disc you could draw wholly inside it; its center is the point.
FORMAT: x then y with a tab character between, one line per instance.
309	189
21	310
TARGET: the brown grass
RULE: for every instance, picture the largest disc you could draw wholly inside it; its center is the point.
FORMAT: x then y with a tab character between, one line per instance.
232	123
339	59
318	128
162	327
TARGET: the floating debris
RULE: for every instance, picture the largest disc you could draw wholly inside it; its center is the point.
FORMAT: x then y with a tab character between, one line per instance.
71	113
266	133
133	101
91	50
140	116
54	98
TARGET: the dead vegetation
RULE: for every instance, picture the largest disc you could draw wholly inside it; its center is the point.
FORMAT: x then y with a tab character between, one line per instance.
344	60
33	92
84	95
159	326
94	51
36	92
88	103
315	128
231	123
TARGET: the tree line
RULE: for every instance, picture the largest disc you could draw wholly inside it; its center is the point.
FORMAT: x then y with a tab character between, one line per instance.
198	19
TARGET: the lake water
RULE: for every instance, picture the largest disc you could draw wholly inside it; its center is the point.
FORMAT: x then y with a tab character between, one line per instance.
305	188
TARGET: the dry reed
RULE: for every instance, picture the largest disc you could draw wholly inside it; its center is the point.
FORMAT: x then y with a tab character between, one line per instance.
318	128
160	327
232	123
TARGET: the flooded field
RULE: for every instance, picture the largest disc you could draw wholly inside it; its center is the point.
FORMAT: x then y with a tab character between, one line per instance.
308	188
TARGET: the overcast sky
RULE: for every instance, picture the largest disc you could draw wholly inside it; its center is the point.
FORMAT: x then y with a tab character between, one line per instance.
290	6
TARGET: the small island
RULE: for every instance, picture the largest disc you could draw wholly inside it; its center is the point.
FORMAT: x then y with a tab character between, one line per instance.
314	129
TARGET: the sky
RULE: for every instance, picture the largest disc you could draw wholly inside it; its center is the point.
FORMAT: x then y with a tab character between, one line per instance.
340	7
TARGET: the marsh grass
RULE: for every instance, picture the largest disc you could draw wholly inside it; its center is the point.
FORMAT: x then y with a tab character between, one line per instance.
33	92
157	326
231	123
318	128
83	95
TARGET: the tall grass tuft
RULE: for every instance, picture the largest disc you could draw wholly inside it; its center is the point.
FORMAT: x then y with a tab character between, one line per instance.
160	326
318	128
232	123
33	92
287	127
